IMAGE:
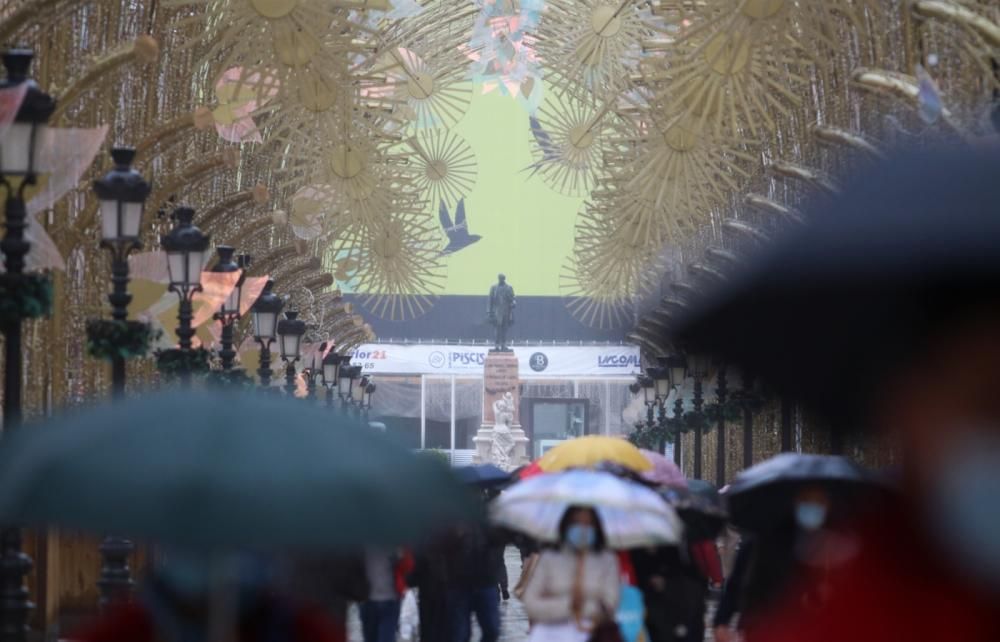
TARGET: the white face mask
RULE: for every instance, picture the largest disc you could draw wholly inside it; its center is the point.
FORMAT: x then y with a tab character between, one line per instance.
810	515
964	509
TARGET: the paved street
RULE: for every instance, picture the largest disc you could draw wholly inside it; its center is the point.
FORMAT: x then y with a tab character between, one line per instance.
514	627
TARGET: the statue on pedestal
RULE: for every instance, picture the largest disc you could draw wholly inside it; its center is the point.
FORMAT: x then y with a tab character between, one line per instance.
501	311
502	445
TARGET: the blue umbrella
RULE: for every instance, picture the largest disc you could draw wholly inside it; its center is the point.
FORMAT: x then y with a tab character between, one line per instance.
484	475
223	471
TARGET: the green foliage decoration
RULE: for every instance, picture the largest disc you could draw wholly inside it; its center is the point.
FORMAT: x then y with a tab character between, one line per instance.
24	296
107	338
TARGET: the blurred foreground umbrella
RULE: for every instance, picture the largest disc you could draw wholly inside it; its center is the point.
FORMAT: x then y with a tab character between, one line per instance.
631	515
664	472
763	496
907	250
216	472
485	475
587	452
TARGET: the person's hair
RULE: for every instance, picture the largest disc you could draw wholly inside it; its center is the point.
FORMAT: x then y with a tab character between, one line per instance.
599	541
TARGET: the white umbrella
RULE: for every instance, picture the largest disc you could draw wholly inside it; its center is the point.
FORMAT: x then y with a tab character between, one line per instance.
631	515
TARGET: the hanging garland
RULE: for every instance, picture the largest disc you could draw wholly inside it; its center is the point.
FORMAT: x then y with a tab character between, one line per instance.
24	296
107	339
235	378
173	362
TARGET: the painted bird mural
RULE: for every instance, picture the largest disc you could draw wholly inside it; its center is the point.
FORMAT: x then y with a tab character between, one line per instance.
458	232
550	153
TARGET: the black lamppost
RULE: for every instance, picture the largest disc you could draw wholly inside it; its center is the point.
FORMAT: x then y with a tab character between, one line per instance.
122	193
229	312
698	366
264	313
348	374
290	331
676	367
367	393
721	391
331	375
185	246
314	372
19	154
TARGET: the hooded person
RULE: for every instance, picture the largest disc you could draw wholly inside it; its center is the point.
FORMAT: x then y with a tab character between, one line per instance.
882	312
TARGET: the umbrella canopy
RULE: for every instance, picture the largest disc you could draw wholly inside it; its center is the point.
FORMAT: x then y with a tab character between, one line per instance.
905	251
664	472
587	452
483	475
631	515
763	495
528	471
223	471
699	506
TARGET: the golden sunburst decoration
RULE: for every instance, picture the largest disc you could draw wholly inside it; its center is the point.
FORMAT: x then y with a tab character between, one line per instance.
445	166
592	42
434	92
399	271
567	142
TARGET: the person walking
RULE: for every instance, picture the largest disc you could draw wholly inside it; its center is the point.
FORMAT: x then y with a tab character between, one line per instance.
575	587
380	612
474	582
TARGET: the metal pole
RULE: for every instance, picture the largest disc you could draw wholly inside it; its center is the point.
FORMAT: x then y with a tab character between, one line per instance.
264	371
184	333
697	431
227	354
423	412
678	436
452	419
115	583
14	564
720	441
290	378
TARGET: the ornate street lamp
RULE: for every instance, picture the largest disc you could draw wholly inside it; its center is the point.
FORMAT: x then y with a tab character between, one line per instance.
290	331
122	194
264	313
229	312
348	374
367	392
676	367
331	374
186	247
19	154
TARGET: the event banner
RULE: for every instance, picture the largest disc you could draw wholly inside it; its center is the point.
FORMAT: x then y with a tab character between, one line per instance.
533	361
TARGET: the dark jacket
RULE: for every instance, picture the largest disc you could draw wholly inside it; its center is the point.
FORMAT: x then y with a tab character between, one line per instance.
475	559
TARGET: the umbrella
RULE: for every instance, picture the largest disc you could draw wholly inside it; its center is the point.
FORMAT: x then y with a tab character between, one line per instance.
528	471
763	495
908	248
631	515
664	472
484	475
586	452
699	506
211	471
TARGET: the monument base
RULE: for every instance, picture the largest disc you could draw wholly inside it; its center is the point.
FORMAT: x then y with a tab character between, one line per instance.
484	445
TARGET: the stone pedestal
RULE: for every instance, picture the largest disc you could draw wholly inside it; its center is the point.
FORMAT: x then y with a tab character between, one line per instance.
500	379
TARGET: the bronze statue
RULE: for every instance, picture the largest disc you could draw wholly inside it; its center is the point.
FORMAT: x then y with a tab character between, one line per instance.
501	311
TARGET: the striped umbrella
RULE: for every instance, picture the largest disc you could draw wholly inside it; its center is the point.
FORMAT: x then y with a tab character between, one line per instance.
631	515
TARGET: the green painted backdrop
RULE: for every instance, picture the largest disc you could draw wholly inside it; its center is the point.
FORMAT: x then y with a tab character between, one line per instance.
527	228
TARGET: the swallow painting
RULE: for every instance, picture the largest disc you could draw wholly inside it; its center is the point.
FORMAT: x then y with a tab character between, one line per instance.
550	152
457	231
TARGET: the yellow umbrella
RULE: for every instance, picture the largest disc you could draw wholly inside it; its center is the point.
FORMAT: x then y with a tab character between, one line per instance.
586	452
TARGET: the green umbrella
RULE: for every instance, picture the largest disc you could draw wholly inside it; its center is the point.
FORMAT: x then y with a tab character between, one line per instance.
225	471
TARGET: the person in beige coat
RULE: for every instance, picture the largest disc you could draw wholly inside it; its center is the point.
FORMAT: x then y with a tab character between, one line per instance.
575	586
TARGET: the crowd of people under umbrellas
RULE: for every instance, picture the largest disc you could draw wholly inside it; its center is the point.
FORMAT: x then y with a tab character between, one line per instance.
881	313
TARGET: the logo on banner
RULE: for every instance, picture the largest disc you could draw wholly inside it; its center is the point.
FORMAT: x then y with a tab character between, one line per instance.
618	361
437	359
538	362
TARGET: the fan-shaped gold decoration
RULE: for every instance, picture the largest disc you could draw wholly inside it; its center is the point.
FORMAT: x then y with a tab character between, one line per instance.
594	43
399	273
567	142
445	166
434	92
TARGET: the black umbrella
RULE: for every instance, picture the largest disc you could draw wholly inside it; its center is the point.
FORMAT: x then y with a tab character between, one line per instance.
700	508
483	475
763	495
911	247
